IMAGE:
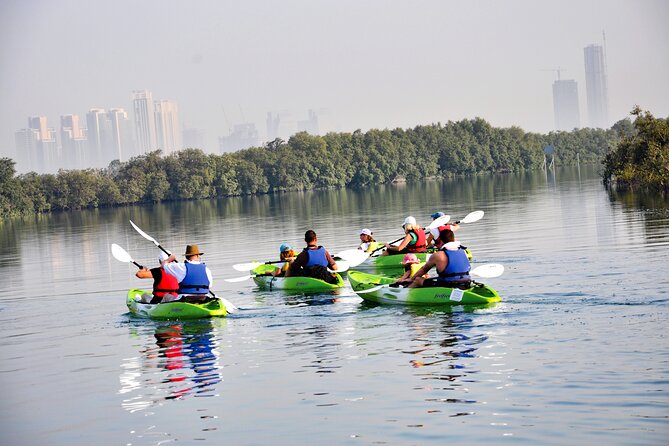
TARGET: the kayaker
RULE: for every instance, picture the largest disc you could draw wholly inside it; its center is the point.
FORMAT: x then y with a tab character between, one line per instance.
194	277
414	239
433	236
313	261
451	263
165	286
411	267
287	256
368	244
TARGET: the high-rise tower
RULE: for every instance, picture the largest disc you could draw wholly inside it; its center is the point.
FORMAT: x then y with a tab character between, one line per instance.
596	86
145	123
565	105
167	126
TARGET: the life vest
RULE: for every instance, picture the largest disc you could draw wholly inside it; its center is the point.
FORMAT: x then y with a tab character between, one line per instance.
370	246
196	280
438	242
316	257
165	283
458	266
420	245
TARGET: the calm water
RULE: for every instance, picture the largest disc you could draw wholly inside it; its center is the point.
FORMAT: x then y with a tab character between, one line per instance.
576	353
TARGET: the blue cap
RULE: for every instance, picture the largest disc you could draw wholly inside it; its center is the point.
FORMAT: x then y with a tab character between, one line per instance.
437	215
284	247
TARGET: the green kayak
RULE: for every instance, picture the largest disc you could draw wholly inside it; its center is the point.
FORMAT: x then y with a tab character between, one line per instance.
476	295
296	283
395	260
174	310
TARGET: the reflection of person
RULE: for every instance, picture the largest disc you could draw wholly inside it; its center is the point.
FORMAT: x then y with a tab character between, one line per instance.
194	277
165	286
414	239
287	255
313	261
368	244
411	267
452	266
433	236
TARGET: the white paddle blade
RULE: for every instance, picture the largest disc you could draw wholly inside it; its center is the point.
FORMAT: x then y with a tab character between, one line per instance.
354	257
120	254
238	279
472	217
143	234
229	306
342	265
488	271
371	290
246	266
441	221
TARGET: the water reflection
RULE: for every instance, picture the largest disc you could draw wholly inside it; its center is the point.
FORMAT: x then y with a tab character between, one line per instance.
181	359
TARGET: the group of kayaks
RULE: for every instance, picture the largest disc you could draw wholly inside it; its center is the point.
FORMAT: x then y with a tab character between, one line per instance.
373	288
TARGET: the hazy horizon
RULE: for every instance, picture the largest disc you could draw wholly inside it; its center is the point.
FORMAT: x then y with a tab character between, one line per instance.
361	65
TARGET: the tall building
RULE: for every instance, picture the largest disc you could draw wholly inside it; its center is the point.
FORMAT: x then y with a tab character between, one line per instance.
28	150
145	121
310	125
167	126
73	142
273	123
242	136
596	86
565	105
98	134
120	146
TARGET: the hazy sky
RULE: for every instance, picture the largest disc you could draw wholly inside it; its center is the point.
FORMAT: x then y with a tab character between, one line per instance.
360	63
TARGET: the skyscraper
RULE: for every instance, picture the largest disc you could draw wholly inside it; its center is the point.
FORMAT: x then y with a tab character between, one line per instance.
120	140
310	125
167	126
565	105
145	122
98	134
28	150
73	141
596	86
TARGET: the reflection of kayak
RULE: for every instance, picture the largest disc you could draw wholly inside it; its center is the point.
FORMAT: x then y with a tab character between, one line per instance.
293	283
476	295
174	310
395	260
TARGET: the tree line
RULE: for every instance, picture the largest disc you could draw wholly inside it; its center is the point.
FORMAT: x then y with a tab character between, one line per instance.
641	157
304	162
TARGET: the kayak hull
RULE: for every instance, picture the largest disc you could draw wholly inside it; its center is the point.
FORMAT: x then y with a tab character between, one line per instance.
174	310
297	283
476	295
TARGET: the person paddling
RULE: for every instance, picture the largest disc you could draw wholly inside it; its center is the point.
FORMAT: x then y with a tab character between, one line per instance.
194	277
287	256
411	267
413	241
313	261
433	237
165	285
452	266
367	242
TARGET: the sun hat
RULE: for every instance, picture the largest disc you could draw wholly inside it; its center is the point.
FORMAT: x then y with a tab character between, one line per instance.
284	247
436	215
192	250
410	258
409	221
366	232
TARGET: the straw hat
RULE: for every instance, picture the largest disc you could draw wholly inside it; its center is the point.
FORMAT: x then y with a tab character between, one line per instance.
192	250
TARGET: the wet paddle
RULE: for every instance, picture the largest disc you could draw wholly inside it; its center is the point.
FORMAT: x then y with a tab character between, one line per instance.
122	255
342	265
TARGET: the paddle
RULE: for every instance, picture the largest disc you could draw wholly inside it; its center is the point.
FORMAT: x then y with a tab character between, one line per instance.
486	271
342	265
229	306
253	265
122	255
353	256
435	224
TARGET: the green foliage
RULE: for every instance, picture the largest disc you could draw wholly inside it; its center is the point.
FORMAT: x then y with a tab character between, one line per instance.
306	162
641	158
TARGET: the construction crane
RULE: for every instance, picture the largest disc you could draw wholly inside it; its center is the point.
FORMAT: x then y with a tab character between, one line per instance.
558	70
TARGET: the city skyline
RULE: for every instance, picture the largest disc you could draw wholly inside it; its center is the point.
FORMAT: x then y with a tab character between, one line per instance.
398	65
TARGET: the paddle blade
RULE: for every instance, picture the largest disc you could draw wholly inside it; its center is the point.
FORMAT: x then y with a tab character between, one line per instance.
472	217
441	221
371	290
488	271
354	257
229	306
120	254
246	266
143	234
342	265
238	279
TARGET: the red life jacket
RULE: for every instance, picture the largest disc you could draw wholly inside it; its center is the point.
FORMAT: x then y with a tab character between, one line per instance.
438	242
421	242
165	284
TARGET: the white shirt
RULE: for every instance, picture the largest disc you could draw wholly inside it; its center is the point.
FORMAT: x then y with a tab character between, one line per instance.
178	270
